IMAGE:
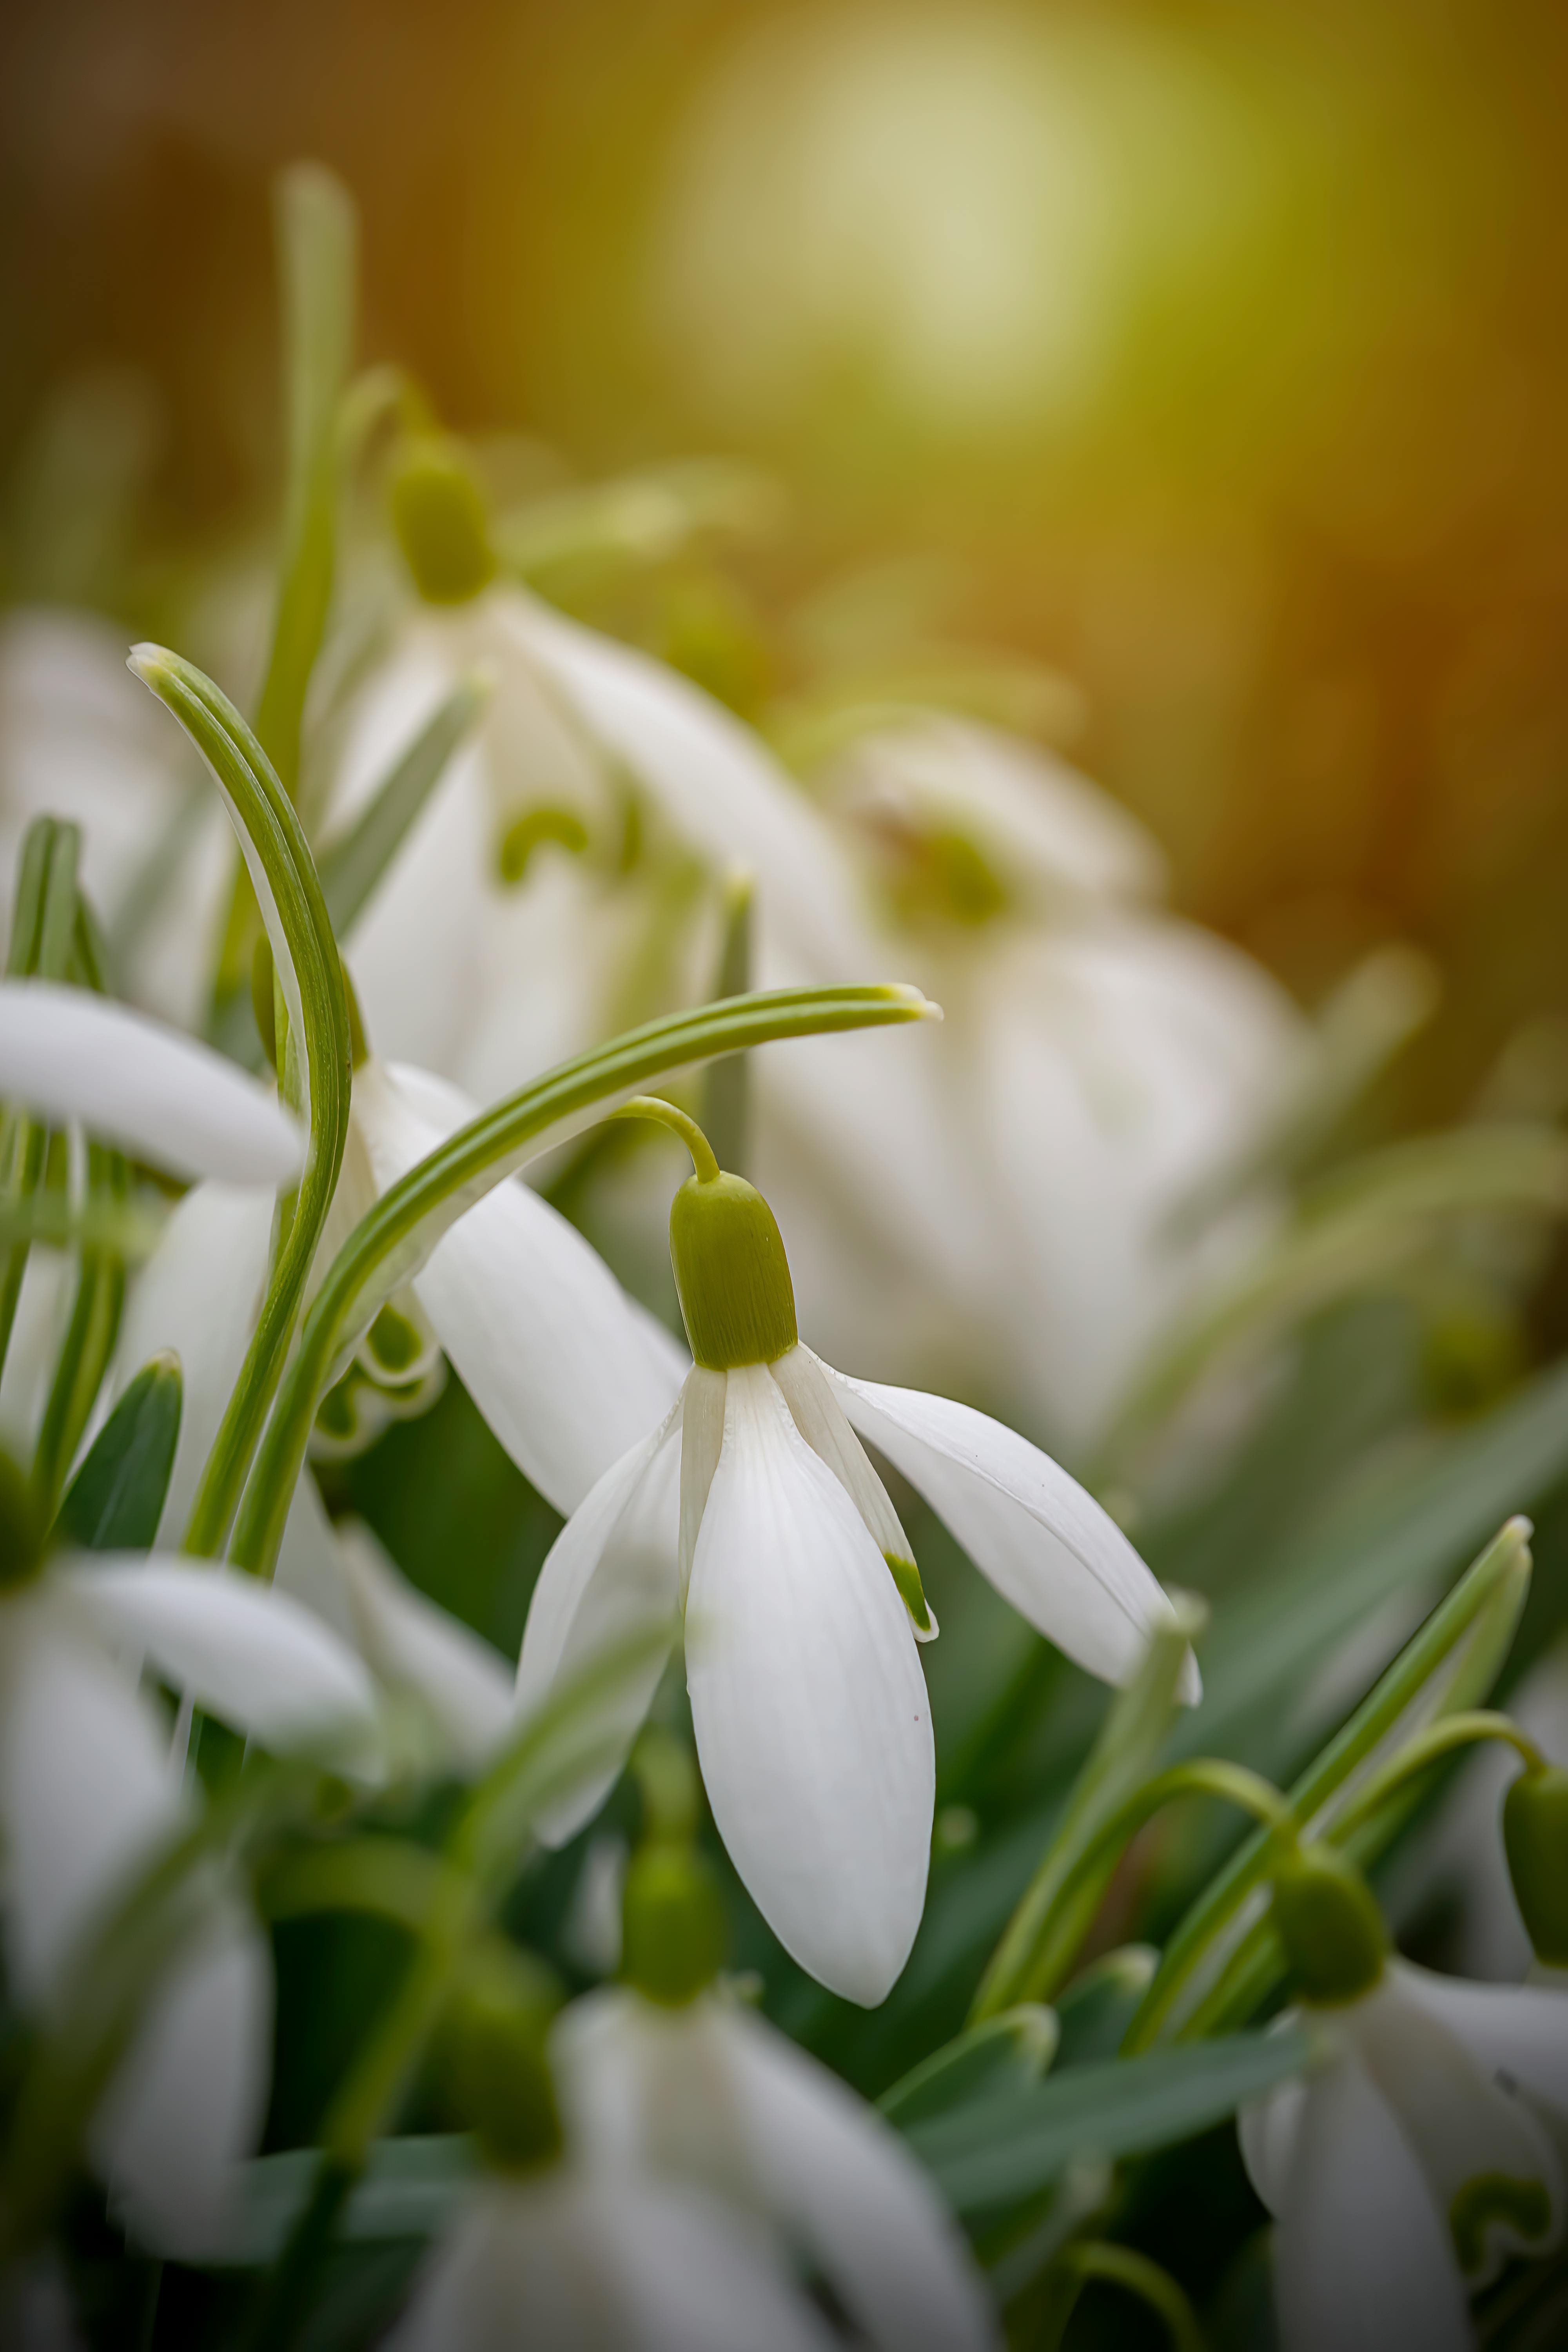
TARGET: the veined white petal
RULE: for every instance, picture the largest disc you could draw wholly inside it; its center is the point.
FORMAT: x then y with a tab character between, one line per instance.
189	2099
1267	2131
413	1645
1362	2262
702	1440
1490	2166
69	1055
822	1422
808	1703
240	1650
611	1573
198	1293
583	2264
1045	1544
309	1570
85	1792
846	2188
548	1345
649	2089
1517	2033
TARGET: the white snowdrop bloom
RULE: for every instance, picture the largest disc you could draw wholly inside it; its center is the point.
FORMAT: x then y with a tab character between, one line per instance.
752	1509
80	741
418	1650
711	2093
89	1798
68	1054
1417	2156
589	2263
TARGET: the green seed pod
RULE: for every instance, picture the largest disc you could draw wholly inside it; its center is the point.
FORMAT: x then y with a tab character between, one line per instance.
730	1272
1329	1923
21	1533
673	1933
1535	1836
493	2059
439	514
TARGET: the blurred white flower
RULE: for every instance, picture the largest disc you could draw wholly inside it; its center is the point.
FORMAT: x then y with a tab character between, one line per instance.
710	2093
90	1796
753	1510
1406	2170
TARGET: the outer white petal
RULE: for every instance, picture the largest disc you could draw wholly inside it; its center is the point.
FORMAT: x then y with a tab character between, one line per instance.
702	1442
657	2090
413	1645
187	2105
584	2264
1464	2129
611	1574
1045	1545
69	1055
198	1293
1362	2262
86	1791
1267	2131
239	1649
556	1357
825	1426
808	1704
843	2184
1517	2032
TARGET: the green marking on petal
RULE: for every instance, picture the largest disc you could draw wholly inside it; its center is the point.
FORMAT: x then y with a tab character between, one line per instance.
911	1593
530	830
1523	2206
396	1344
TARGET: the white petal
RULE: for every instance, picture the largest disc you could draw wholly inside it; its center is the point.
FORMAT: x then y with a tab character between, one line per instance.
1045	1544
1470	2135
846	2188
548	1345
702	1442
808	1704
413	1645
610	1575
822	1423
1267	2131
198	1293
309	1569
242	1651
69	1055
1517	2031
188	2101
1361	2260
647	2088
85	1790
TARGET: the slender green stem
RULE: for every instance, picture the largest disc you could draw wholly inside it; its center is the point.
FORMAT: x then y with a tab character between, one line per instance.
1123	2266
1495	1580
43	927
663	1114
1439	1740
389	1244
310	971
726	1092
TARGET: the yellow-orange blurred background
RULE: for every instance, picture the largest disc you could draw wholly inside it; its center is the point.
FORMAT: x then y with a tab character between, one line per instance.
1215	355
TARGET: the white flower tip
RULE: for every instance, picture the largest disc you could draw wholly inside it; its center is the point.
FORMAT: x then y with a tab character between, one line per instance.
1518	1527
147	661
920	1006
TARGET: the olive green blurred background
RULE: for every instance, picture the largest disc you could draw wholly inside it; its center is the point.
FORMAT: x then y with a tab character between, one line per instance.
1215	355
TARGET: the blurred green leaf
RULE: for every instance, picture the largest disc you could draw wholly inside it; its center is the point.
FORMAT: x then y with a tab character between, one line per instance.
116	1499
1005	2053
1003	2148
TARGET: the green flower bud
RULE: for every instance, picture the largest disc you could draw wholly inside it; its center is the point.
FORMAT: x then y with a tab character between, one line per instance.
21	1530
1535	1835
1330	1925
730	1272
674	1935
439	514
494	2062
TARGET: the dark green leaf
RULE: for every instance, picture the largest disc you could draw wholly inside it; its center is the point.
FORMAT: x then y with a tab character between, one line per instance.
1005	2053
116	1499
352	866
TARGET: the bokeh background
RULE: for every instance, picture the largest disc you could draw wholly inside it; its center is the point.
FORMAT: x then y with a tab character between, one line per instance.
1213	357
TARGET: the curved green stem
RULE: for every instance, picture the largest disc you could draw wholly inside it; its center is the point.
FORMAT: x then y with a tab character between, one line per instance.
311	973
43	928
1123	2266
660	1113
391	1243
1439	1740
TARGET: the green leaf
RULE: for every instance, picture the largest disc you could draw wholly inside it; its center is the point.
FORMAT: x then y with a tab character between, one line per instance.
726	1104
309	974
352	864
1099	2005
389	1244
318	236
1004	2053
116	1499
411	2189
1000	2149
43	930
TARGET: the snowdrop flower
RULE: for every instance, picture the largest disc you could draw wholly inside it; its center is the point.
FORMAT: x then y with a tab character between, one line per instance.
90	1796
752	1508
667	2075
1416	2159
554	2248
68	1054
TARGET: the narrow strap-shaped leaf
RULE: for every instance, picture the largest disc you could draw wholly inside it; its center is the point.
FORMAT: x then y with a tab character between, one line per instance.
999	2150
726	1105
42	931
116	1499
309	974
88	1343
1004	2053
352	864
389	1244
